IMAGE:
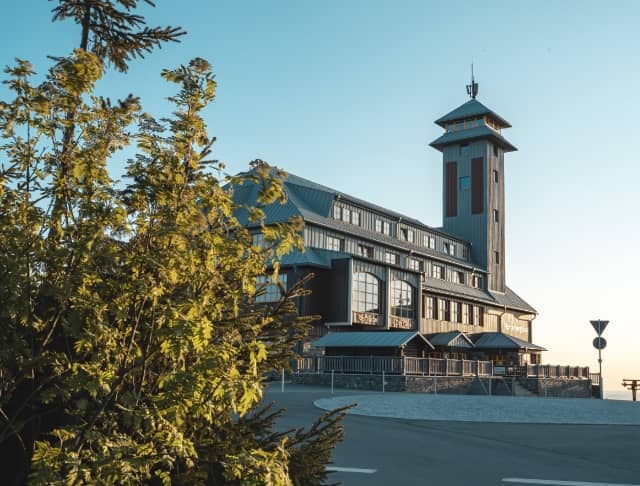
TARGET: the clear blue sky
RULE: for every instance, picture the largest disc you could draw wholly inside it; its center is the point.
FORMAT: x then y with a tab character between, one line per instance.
345	93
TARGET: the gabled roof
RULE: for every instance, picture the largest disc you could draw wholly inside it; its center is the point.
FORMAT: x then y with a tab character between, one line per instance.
369	339
468	110
499	340
480	132
311	257
453	339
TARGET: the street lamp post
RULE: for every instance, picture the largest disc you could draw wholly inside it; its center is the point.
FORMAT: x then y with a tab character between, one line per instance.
600	343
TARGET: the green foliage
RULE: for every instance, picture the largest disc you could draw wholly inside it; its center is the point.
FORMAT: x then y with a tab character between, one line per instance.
132	348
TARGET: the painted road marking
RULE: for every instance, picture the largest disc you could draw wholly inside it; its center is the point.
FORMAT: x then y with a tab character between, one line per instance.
553	482
351	469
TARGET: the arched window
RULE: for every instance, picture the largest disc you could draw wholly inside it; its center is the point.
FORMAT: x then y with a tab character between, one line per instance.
366	293
401	299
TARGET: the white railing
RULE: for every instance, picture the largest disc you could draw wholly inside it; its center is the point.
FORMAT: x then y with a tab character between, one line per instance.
558	371
393	365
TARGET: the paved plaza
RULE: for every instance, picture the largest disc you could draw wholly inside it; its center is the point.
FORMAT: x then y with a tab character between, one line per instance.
489	409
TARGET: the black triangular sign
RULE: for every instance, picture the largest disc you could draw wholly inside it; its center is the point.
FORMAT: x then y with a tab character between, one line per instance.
599	326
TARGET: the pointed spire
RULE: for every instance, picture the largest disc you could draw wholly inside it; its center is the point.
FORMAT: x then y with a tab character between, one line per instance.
472	89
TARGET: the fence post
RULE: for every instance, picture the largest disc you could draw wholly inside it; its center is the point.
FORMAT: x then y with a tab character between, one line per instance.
446	367
383	381
435	384
332	371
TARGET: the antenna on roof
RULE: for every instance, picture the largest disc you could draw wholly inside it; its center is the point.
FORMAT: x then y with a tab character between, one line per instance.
472	89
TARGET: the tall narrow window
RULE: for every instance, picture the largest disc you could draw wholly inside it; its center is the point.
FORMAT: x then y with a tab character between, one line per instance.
496	178
452	189
497	257
386	228
378	226
401	299
366	293
496	215
336	212
346	215
355	218
477	185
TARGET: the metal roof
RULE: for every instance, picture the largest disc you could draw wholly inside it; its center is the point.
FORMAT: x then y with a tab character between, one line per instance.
312	257
369	339
498	340
453	339
470	109
482	131
509	299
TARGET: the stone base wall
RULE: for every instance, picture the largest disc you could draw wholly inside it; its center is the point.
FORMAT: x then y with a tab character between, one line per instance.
461	385
558	387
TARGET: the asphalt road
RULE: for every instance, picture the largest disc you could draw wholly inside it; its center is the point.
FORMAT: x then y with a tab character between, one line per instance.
417	452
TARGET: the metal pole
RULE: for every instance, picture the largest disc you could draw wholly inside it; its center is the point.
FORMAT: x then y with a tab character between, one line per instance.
601	380
332	382
282	385
383	381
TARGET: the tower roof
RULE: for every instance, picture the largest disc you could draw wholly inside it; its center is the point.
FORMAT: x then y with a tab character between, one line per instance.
471	109
482	132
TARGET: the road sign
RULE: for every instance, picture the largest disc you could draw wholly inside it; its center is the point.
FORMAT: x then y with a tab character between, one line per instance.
599	326
599	343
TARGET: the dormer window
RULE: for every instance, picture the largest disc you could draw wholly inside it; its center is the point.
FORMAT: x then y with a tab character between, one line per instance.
346	215
407	235
336	212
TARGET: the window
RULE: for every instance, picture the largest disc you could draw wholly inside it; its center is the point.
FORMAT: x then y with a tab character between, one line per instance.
496	215
455	312
413	264
365	250
496	152
496	257
268	291
355	218
366	293
443	309
451	189
437	271
449	248
477	185
457	276
429	242
496	178
476	281
465	314
386	228
407	235
257	239
336	212
465	252
334	244
390	258
464	183
378	226
401	299
477	319
428	307
346	215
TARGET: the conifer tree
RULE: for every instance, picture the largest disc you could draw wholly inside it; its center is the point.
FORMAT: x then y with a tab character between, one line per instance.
132	348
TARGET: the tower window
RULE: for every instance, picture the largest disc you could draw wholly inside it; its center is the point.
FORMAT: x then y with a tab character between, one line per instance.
496	257
477	185
496	215
452	189
496	177
464	183
496	153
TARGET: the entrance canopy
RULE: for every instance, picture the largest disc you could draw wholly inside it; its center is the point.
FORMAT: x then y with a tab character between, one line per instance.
453	339
498	340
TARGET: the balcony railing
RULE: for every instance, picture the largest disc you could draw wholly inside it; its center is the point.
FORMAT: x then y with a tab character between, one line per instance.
393	365
432	367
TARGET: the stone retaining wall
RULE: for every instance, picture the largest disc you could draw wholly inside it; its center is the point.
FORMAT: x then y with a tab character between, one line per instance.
461	385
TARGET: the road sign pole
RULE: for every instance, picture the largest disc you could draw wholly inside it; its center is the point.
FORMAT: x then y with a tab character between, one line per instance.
601	380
